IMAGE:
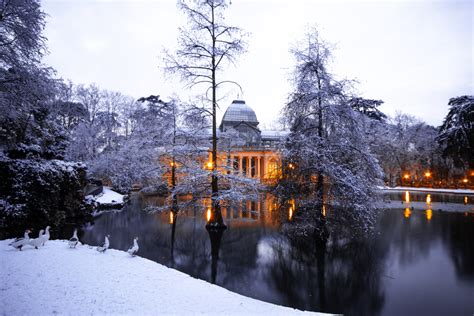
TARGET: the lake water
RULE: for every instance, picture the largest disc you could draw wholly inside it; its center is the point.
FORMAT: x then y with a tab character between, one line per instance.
418	262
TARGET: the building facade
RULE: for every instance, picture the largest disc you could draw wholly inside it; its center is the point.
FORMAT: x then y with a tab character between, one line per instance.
246	149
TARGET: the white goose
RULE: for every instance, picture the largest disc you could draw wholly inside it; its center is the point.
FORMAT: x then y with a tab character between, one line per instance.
105	246
36	242
46	235
74	240
20	242
134	249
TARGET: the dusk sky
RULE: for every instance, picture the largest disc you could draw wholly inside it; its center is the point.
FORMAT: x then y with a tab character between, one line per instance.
414	55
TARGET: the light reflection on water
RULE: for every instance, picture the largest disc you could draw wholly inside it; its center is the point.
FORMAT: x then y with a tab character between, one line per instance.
417	262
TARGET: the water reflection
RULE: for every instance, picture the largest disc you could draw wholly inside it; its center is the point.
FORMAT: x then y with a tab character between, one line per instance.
429	214
382	273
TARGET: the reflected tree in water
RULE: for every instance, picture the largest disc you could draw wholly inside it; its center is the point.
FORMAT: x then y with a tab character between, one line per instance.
330	272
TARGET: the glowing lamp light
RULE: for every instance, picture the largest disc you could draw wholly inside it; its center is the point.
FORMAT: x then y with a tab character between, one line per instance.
427	174
406	176
428	199
290	213
171	218
209	165
407	197
291	166
324	210
465	180
172	164
465	200
407	213
429	214
208	214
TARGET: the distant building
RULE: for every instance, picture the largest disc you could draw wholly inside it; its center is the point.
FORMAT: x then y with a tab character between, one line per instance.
249	151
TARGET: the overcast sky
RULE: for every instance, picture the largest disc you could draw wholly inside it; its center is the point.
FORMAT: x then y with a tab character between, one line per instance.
414	55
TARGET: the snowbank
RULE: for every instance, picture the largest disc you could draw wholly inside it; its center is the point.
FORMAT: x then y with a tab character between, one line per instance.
429	190
108	198
57	279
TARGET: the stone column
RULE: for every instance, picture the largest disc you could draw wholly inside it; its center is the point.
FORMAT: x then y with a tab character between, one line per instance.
247	163
240	164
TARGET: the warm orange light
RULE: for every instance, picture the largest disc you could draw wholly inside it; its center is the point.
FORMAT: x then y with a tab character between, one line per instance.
427	174
171	218
429	214
428	199
293	203
407	176
172	164
291	166
407	197
465	200
464	180
290	213
209	165
208	214
324	210
407	213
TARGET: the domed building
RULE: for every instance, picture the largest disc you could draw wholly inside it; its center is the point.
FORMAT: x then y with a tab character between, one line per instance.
241	118
249	150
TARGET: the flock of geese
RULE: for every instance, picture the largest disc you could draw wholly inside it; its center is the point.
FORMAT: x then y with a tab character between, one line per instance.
44	236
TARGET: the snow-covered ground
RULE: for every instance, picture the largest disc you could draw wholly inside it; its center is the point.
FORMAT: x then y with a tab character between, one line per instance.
108	198
435	206
58	280
429	190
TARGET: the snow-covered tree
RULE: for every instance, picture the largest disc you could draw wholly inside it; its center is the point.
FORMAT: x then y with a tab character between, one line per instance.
327	160
205	47
368	107
37	188
26	86
456	133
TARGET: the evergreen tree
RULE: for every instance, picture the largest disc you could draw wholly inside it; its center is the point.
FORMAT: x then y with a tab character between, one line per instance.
456	134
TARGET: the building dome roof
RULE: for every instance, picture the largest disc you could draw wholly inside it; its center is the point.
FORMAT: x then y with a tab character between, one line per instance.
238	111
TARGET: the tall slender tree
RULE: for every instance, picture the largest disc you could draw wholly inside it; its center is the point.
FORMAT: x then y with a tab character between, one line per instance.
206	47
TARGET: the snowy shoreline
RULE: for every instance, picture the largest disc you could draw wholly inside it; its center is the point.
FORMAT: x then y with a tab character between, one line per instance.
107	199
429	190
56	279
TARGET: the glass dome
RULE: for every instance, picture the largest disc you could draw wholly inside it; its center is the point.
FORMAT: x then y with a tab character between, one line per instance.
238	111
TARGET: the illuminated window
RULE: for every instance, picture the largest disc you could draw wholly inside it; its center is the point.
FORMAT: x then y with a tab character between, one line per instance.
272	168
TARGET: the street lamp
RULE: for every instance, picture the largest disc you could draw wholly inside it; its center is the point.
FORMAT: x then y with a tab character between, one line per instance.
208	214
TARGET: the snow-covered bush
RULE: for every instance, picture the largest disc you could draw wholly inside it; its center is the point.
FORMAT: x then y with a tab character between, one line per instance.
36	193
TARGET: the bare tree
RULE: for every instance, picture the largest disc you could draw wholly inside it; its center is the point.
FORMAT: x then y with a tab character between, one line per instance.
206	46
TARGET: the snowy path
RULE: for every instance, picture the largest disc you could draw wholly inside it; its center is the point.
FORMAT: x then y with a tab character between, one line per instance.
56	279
